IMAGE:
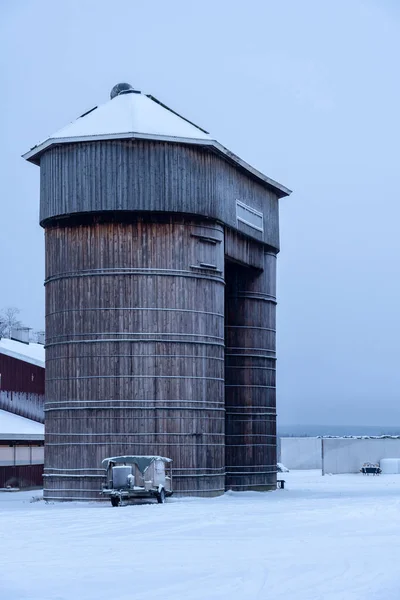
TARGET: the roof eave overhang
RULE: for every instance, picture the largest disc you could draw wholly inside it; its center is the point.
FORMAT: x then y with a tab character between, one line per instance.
280	190
18	437
22	357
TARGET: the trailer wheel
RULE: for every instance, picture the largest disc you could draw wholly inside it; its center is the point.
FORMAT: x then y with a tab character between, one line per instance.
115	500
161	496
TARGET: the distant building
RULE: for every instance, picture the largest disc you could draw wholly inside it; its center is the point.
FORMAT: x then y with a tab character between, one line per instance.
21	414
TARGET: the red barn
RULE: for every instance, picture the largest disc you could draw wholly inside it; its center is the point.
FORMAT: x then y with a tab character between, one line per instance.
21	414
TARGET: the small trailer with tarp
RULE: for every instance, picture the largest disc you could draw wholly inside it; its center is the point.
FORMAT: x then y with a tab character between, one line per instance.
370	468
130	477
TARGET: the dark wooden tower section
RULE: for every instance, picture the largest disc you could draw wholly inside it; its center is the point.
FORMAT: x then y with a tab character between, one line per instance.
160	302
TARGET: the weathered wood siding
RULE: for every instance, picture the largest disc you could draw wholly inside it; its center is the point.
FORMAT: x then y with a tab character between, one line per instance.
243	250
135	352
21	476
137	233
139	175
250	386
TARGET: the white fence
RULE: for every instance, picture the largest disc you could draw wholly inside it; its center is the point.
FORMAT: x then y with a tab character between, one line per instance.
336	455
346	455
301	452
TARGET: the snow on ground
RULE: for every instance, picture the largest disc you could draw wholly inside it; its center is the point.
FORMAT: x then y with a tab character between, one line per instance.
327	538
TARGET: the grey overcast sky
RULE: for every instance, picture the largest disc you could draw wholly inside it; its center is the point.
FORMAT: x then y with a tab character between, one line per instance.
308	92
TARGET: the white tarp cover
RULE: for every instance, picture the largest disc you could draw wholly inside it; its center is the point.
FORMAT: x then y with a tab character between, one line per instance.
390	465
142	462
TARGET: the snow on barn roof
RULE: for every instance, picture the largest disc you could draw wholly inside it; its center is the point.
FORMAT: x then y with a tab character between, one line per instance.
130	114
30	353
14	427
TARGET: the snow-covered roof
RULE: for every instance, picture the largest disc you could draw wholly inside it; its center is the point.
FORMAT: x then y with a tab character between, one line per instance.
31	353
132	114
128	114
14	427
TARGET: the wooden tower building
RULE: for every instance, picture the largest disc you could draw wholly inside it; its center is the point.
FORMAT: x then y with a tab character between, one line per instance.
160	301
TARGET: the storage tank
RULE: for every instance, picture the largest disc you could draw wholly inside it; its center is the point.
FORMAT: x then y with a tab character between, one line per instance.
146	218
250	392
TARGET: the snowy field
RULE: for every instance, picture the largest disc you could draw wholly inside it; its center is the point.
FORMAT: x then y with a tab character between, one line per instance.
326	538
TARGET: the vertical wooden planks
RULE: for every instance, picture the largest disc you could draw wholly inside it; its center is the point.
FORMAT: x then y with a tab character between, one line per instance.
135	352
250	385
